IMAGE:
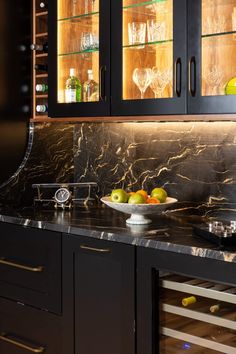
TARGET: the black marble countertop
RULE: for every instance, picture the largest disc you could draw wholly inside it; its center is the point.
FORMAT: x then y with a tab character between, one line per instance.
170	232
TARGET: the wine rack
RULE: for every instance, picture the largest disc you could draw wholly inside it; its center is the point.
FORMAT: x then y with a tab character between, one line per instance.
40	37
207	325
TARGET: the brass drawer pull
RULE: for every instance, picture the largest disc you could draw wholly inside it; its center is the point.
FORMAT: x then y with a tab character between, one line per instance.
21	266
102	250
4	337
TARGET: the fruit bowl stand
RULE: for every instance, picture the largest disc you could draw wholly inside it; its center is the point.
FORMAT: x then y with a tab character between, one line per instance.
138	212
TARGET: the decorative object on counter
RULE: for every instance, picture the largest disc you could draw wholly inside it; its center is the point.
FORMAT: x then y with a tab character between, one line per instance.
139	211
230	88
137	34
63	198
65	195
221	233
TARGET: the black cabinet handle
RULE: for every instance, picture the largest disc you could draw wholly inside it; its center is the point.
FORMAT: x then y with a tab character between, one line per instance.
192	76
101	250
102	76
178	77
6	338
9	263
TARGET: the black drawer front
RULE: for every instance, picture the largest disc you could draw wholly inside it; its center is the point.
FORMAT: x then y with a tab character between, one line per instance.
30	266
26	330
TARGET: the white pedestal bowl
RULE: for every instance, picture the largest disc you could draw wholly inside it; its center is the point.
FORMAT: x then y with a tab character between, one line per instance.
138	212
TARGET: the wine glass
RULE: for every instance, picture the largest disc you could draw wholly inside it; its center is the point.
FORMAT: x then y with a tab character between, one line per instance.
213	76
160	79
142	77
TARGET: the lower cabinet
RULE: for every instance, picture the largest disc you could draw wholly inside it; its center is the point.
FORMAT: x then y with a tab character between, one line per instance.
185	304
24	329
101	306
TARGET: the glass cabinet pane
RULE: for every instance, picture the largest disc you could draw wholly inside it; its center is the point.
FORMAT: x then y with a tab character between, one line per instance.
218	47
147	49
78	51
196	316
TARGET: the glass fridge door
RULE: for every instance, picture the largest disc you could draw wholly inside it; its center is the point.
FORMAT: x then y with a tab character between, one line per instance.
196	316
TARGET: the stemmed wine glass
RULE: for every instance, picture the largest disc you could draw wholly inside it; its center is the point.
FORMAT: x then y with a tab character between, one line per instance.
142	77
160	79
213	76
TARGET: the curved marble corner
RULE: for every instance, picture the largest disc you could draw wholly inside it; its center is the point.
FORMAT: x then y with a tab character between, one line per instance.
165	233
25	158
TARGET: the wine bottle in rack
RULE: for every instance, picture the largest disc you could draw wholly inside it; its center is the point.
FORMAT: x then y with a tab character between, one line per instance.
189	301
41	67
40	47
41	108
43	5
41	88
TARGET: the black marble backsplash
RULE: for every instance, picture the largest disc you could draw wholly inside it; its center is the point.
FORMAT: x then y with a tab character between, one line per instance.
194	161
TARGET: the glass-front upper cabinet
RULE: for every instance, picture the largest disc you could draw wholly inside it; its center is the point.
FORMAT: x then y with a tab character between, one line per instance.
148	57
79	57
212	49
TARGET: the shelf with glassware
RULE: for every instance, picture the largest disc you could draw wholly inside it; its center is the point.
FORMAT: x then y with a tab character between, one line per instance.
79	73
213	71
147	50
40	55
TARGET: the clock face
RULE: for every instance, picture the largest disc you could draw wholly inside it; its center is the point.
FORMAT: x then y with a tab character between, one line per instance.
62	195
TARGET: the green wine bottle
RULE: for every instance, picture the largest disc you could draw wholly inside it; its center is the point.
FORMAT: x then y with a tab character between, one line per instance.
73	89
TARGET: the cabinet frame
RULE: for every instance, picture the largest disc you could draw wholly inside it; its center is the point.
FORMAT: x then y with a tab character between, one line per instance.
75	250
100	108
173	105
198	104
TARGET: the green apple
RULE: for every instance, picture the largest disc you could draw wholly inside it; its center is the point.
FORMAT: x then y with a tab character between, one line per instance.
160	194
230	88
137	199
119	196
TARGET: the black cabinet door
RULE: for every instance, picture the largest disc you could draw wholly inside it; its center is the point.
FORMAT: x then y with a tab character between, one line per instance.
148	57
27	330
211	56
79	51
103	276
30	266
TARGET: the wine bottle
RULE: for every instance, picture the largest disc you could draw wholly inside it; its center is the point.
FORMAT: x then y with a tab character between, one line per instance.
41	88
40	47
90	89
41	108
41	67
215	308
188	301
73	88
42	5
